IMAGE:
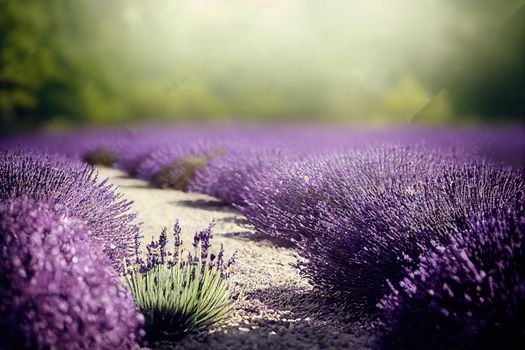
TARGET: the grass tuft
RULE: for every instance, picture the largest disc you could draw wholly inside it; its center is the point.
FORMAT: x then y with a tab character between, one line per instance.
176	295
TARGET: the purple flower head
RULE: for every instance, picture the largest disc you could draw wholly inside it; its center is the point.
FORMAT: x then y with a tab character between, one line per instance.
230	267
220	257
137	237
203	239
163	241
56	290
176	233
153	255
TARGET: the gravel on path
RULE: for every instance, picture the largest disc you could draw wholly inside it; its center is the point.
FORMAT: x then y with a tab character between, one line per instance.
278	309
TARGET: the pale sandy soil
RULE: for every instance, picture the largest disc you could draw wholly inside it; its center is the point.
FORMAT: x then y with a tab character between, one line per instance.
279	310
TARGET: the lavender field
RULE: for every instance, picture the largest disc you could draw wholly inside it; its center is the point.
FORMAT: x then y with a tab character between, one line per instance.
407	238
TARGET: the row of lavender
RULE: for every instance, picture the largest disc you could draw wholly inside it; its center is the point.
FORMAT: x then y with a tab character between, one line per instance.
68	242
63	235
419	229
431	245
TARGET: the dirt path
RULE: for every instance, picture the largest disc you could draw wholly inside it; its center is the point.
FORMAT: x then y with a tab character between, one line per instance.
278	311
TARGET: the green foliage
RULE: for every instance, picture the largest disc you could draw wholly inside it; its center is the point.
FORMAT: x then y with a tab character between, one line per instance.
178	174
51	63
179	299
177	296
66	62
100	156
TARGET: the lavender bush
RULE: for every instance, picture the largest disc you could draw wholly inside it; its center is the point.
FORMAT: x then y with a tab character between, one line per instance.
178	295
56	290
78	190
469	294
293	198
226	177
362	217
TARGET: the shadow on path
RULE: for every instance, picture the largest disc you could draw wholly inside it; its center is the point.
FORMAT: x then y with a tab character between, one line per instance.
259	237
303	303
204	204
135	186
286	318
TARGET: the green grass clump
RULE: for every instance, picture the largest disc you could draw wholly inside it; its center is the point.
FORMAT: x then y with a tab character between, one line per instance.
179	173
100	156
175	295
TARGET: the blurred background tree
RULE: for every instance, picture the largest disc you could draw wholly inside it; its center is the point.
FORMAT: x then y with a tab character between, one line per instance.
49	69
488	79
70	62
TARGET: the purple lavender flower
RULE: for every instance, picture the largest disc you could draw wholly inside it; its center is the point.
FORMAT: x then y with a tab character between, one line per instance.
77	191
469	294
153	256
135	252
230	266
177	242
163	242
203	239
56	290
220	257
202	253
